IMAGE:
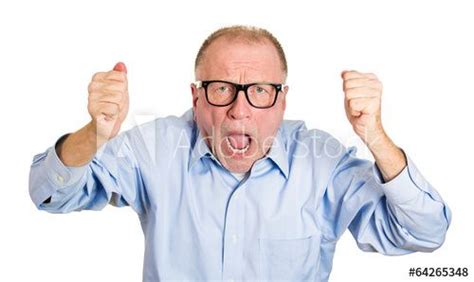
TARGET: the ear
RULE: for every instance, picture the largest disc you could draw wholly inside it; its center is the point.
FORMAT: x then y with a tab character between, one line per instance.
194	93
285	91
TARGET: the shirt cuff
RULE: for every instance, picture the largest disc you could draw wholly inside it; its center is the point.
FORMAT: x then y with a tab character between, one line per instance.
406	186
58	173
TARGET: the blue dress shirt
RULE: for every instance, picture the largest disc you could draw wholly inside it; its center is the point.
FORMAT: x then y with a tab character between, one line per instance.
281	222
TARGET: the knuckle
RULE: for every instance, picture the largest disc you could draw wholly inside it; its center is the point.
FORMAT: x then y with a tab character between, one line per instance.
372	75
93	85
92	96
348	84
348	74
345	85
350	92
97	76
375	81
352	103
92	109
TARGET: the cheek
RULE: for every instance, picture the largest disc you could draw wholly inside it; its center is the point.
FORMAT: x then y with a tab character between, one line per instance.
203	121
207	119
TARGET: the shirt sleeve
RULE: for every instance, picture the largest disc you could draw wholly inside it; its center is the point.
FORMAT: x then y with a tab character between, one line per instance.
403	215
112	176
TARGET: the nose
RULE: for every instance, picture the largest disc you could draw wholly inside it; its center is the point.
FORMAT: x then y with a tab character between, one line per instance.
240	109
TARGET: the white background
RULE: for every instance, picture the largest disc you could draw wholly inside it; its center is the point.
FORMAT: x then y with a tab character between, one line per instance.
422	52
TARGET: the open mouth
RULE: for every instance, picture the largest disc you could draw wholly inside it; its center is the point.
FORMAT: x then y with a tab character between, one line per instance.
238	143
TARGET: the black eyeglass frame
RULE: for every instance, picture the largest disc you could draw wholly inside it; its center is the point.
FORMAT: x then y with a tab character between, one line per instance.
240	87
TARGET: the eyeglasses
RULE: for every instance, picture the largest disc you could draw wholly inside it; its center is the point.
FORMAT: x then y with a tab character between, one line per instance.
222	93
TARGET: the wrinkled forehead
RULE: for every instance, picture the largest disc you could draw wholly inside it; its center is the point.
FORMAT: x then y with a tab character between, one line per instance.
229	56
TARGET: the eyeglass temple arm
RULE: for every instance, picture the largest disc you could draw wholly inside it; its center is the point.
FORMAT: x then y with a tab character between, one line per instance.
198	84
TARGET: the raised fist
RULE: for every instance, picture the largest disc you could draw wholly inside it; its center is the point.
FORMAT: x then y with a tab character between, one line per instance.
108	101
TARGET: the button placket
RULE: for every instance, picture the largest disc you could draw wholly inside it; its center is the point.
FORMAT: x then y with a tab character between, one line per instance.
234	228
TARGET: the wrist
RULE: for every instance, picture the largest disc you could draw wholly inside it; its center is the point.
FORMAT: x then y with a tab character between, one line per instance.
389	157
374	139
378	141
92	135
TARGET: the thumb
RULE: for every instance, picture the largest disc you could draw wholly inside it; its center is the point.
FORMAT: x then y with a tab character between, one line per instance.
120	67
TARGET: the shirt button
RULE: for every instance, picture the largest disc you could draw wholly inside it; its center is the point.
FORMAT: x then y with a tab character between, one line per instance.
60	179
235	238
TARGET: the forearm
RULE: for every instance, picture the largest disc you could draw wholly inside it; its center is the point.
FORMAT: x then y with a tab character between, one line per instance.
389	158
79	147
394	217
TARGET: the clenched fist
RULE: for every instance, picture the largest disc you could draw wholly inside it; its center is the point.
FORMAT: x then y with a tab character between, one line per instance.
108	101
363	93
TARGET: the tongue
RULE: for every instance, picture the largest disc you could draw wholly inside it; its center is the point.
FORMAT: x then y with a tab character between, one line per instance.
239	141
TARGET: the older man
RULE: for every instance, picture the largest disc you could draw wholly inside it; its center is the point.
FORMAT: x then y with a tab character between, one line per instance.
231	191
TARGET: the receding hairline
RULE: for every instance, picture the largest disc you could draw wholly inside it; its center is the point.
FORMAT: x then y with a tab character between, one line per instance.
245	34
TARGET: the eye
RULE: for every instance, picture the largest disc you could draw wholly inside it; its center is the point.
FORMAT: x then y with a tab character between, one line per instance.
260	90
223	89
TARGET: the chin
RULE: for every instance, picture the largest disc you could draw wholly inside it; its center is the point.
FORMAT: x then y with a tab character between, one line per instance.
238	167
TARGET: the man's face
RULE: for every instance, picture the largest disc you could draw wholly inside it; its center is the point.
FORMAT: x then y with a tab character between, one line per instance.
239	134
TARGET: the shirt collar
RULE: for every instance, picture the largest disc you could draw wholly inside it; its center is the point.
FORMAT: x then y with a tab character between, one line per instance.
277	152
199	147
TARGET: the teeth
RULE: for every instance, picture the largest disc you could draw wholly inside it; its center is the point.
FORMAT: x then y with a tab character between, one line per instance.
235	150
